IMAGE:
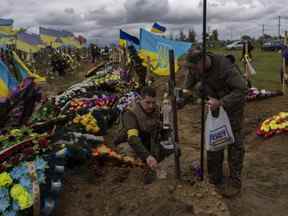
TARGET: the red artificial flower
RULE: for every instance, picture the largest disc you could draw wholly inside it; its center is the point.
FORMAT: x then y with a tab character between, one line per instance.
2	168
43	143
28	151
15	159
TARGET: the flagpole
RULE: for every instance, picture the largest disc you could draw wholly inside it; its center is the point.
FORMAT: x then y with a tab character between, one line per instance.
203	90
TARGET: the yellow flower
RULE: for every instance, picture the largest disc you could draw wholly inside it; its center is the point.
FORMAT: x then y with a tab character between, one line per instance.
75	121
15	132
95	130
283	114
21	196
265	129
89	128
25	200
83	121
2	138
5	179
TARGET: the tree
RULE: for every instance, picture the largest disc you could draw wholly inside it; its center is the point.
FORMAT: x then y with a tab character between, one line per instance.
191	36
214	35
264	38
246	37
267	37
182	36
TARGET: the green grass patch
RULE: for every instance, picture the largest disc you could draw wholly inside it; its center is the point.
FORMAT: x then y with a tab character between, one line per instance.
266	64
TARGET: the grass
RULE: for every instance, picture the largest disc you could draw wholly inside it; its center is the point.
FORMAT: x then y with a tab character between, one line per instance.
266	64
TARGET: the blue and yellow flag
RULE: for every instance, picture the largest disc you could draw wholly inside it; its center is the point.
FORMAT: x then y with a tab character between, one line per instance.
6	40
157	28
154	50
29	43
127	39
69	40
24	71
51	37
8	83
6	27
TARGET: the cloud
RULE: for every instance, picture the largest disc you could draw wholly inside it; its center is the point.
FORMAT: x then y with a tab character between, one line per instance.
103	18
139	11
5	9
67	17
106	16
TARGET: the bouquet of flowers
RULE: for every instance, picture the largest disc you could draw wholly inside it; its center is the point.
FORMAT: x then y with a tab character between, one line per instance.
254	93
14	136
274	125
100	102
47	111
127	99
88	122
17	184
17	145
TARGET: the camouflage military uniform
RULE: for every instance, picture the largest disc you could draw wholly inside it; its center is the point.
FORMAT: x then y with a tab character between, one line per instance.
143	130
224	82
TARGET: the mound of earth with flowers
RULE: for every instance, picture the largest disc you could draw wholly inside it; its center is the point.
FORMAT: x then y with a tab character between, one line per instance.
65	164
109	187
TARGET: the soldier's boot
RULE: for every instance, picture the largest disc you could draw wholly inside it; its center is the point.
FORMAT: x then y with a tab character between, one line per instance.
231	188
235	159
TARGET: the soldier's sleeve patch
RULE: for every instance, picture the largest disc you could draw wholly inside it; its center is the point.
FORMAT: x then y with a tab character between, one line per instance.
132	132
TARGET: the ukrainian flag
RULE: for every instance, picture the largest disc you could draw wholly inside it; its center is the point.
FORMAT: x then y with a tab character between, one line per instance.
24	71
30	43
127	39
52	37
8	83
154	50
49	36
7	40
156	28
57	43
6	27
71	42
69	39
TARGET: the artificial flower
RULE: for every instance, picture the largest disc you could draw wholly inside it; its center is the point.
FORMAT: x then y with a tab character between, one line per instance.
4	199
40	164
19	171
5	179
10	213
26	182
21	196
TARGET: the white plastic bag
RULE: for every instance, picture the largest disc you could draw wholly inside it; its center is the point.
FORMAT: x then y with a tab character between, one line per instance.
218	131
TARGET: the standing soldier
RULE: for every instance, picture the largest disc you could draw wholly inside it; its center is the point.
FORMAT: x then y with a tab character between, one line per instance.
93	51
226	87
137	66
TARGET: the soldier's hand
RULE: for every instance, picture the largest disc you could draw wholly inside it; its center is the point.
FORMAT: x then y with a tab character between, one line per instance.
213	103
151	162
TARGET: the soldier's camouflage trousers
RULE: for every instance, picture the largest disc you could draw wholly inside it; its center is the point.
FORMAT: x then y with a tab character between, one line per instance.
215	161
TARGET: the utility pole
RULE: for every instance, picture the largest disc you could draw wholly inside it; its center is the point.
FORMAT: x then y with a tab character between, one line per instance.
279	27
203	97
263	30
